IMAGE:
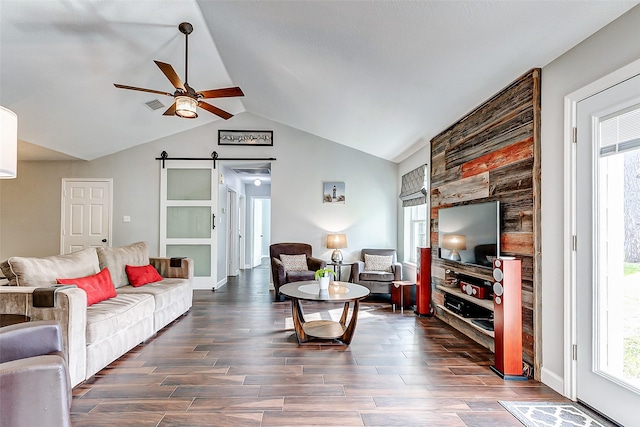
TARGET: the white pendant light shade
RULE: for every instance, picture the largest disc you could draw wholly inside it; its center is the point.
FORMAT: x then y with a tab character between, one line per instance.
8	143
186	107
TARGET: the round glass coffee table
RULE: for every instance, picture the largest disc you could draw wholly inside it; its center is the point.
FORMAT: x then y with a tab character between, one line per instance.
343	292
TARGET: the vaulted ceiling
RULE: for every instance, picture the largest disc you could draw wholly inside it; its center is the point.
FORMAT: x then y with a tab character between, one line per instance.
379	76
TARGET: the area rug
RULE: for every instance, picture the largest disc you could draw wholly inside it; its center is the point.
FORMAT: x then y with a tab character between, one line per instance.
554	414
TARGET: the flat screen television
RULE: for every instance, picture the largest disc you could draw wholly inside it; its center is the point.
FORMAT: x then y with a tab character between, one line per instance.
470	234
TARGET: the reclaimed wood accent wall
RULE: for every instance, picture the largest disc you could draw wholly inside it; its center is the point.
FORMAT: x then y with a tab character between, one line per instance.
493	153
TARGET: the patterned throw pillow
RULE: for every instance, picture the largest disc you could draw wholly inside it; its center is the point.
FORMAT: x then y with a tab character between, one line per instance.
294	262
377	262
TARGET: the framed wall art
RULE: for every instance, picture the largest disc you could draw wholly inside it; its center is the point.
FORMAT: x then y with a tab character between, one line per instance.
245	137
334	192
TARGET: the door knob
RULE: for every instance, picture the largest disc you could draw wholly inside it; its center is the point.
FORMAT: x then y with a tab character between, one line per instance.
104	240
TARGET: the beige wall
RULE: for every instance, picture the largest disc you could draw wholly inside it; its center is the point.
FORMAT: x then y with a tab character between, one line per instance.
30	204
613	47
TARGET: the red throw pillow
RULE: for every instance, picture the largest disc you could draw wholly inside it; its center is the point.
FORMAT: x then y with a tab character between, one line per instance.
98	287
141	275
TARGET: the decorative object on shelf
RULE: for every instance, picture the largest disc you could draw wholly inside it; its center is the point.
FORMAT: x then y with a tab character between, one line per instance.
245	137
454	243
334	192
8	143
451	278
323	276
336	242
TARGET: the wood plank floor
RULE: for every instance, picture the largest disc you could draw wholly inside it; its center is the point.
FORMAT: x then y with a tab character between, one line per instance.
232	361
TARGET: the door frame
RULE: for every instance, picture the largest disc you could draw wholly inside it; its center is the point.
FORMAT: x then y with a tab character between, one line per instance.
570	383
109	182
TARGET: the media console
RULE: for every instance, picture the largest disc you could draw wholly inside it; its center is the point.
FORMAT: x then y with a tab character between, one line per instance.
491	315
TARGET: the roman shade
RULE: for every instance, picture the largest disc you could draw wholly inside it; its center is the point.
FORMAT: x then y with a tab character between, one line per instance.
414	187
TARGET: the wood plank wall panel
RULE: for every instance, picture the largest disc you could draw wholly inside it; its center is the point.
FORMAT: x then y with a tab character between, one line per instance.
493	154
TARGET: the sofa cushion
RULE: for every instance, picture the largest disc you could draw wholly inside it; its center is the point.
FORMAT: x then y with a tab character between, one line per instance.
164	293
115	260
43	272
294	262
142	275
108	317
377	276
377	262
98	287
297	276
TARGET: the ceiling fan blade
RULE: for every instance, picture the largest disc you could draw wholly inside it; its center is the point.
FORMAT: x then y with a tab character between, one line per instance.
222	93
168	71
171	111
142	89
215	110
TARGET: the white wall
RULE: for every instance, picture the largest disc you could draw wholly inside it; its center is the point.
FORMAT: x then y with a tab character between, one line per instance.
30	204
613	47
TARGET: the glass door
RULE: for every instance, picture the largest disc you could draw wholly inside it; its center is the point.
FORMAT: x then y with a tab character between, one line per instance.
608	251
187	217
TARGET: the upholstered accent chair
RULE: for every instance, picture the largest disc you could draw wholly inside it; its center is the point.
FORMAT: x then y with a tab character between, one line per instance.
376	270
36	390
292	262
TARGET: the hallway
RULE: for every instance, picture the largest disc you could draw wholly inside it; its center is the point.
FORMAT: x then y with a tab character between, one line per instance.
232	361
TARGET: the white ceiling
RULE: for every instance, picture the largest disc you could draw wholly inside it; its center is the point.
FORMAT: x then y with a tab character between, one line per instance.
379	76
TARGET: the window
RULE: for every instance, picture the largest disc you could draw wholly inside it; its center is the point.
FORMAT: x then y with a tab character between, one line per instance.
415	231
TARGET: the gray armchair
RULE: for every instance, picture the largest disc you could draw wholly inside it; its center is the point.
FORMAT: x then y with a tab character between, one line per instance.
281	276
378	282
35	383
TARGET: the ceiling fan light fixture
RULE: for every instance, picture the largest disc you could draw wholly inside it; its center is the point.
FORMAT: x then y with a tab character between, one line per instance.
186	107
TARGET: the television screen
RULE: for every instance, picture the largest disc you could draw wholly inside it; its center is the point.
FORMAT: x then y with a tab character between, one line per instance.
470	234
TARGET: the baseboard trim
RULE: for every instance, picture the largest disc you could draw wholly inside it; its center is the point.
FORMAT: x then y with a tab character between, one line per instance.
553	380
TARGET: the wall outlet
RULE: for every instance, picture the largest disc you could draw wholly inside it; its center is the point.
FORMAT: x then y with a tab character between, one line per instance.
126	218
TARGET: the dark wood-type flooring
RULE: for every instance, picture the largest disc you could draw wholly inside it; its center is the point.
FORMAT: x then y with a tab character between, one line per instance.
232	361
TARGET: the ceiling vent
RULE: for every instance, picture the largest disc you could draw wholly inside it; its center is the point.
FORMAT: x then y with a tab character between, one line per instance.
252	171
154	105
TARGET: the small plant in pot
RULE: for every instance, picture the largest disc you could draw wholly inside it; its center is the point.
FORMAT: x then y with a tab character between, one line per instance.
323	276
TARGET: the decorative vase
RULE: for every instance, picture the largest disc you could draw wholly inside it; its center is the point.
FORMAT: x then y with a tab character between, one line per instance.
324	282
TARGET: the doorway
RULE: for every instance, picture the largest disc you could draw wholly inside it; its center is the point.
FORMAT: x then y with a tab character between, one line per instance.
607	250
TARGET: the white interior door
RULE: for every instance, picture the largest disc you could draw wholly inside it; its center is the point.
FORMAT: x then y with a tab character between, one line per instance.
86	214
257	232
233	233
608	251
188	201
242	219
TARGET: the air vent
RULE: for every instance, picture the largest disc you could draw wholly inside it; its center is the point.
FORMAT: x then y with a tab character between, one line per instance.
252	171
154	105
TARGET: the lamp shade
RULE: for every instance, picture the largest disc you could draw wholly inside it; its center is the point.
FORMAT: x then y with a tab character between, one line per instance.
336	241
454	242
8	143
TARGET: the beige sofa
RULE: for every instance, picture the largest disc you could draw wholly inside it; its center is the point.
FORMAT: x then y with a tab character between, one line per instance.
97	335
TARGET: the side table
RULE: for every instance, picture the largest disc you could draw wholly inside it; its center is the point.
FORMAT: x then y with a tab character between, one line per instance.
401	284
12	319
337	268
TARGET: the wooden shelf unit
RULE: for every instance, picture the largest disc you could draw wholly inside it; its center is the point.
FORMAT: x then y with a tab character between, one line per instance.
484	303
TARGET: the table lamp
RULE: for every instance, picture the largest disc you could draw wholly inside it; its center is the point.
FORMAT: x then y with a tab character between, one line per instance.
454	243
336	242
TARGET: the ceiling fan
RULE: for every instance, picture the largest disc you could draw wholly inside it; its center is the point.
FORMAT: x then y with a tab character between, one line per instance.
185	97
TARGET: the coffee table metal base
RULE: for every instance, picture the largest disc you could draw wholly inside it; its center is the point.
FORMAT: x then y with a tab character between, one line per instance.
314	330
